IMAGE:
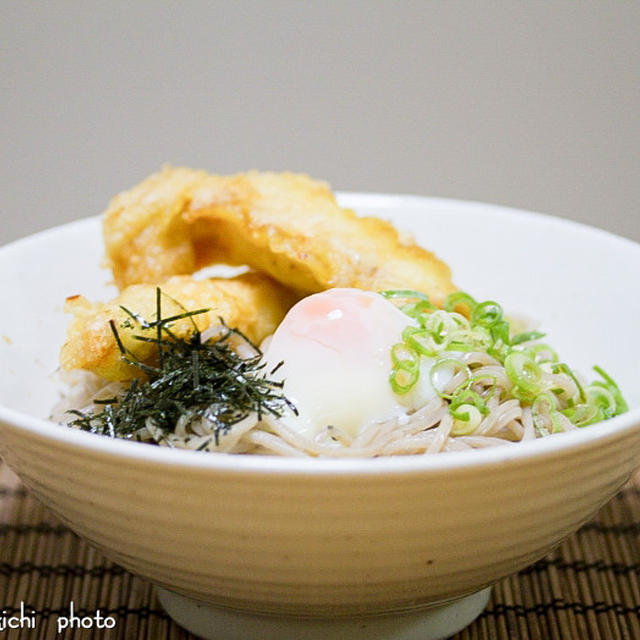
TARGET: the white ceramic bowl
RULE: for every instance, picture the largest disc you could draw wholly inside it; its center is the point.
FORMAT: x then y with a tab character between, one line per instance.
334	538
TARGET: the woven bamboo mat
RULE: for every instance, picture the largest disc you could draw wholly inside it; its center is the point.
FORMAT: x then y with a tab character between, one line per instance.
588	589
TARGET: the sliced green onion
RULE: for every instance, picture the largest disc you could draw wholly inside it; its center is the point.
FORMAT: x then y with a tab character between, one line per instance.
490	389
556	422
444	362
500	331
462	341
486	314
401	353
614	389
564	368
406	368
526	337
446	321
534	351
403	377
463	397
602	398
482	376
391	294
538	411
421	340
532	367
583	415
466	420
525	375
457	298
477	339
419	310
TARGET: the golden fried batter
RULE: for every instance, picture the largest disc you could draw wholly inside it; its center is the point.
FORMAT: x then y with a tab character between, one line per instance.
283	224
252	303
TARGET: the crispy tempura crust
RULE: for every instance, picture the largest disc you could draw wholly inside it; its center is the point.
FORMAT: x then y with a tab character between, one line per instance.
252	303
283	224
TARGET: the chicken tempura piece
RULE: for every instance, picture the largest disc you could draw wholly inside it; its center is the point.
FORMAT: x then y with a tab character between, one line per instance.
283	224
252	303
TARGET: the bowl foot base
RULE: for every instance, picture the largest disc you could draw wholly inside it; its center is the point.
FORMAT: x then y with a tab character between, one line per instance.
218	623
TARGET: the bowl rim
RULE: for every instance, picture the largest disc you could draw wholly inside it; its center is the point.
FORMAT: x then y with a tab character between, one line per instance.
518	452
560	443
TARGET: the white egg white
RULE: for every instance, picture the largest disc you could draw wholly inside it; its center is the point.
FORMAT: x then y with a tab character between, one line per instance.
336	352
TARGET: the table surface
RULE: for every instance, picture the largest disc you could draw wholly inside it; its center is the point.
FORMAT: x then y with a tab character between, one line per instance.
587	589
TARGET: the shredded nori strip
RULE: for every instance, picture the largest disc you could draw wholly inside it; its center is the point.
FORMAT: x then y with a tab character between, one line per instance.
188	378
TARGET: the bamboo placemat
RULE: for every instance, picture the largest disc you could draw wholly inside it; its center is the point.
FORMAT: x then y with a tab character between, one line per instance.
588	589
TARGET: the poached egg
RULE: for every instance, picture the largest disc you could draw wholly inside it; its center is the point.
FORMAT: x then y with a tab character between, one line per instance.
335	349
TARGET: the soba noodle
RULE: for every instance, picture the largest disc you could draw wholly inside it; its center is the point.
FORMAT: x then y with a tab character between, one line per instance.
426	431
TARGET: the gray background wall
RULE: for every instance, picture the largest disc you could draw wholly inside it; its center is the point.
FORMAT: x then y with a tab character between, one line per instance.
530	104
